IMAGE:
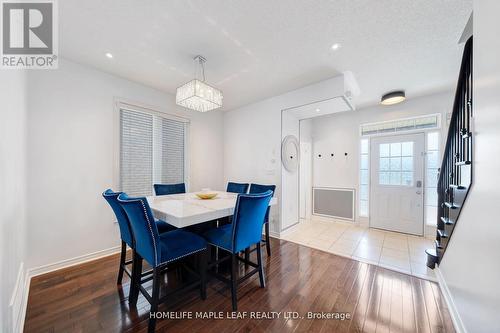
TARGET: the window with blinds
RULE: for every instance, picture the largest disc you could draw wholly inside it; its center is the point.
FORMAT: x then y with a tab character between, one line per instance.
152	150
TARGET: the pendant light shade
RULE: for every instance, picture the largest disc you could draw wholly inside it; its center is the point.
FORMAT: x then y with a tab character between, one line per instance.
197	95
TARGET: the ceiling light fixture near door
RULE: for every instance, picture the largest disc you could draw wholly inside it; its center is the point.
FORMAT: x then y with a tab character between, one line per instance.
196	94
393	97
336	46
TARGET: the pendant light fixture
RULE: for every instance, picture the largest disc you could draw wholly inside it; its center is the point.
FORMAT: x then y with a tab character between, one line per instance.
393	97
198	95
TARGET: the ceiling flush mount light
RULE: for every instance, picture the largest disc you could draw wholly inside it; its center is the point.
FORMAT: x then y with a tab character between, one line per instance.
393	97
336	46
109	55
196	94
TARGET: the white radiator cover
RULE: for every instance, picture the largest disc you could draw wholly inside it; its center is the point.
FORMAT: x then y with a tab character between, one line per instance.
334	202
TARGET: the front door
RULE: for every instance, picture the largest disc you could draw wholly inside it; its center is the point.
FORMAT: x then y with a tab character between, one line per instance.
396	190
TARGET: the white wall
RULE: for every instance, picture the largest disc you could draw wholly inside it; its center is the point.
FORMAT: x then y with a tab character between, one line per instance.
252	139
471	263
71	157
252	142
12	190
339	133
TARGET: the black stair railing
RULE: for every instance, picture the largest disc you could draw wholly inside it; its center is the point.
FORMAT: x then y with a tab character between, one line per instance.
455	176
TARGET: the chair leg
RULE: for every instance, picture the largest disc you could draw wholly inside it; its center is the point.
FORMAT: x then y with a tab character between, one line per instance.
203	258
136	279
268	243
261	267
155	296
234	281
122	263
247	256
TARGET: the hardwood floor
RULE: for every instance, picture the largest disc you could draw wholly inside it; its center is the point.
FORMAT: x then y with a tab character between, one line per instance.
85	298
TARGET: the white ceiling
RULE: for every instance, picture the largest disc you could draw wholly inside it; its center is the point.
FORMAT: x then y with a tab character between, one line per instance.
260	48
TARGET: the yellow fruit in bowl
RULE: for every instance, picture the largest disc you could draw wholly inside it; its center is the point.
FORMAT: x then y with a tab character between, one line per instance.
206	195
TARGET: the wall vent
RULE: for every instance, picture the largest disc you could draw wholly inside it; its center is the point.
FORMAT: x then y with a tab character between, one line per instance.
334	202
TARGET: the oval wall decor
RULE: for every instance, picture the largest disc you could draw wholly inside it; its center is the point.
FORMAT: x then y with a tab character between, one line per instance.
290	153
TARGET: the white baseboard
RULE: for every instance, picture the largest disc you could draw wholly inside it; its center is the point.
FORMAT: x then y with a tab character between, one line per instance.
19	299
274	234
455	316
72	262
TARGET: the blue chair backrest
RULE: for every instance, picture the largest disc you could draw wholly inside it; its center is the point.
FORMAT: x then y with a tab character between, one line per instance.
123	222
257	188
165	189
248	219
143	227
237	187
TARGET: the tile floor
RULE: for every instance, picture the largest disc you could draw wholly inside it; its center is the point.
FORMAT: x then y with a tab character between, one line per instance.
392	250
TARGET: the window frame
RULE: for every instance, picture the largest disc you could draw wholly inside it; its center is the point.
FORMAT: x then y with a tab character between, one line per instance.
119	104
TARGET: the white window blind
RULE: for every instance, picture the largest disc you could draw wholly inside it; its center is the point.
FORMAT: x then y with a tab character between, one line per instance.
151	151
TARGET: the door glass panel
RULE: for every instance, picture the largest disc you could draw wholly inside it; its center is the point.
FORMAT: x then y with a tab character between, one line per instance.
407	163
396	149
407	149
384	164
407	178
384	178
395	178
384	150
395	163
398	168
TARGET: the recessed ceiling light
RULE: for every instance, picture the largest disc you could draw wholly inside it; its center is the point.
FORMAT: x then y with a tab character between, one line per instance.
393	97
109	55
318	110
336	46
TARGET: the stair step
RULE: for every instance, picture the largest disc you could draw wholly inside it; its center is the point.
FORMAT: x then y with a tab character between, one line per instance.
431	252
457	187
438	245
463	163
451	205
442	234
447	220
432	258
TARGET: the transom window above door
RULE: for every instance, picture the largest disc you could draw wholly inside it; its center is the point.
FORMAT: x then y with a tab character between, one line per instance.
396	164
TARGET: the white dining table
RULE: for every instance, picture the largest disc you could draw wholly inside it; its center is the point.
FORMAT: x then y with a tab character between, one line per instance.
186	209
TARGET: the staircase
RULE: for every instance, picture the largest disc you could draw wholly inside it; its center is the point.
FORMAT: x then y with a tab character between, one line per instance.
455	176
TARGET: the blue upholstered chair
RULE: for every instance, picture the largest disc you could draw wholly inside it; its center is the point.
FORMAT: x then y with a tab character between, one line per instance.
237	187
240	188
257	188
165	189
160	250
245	231
125	231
